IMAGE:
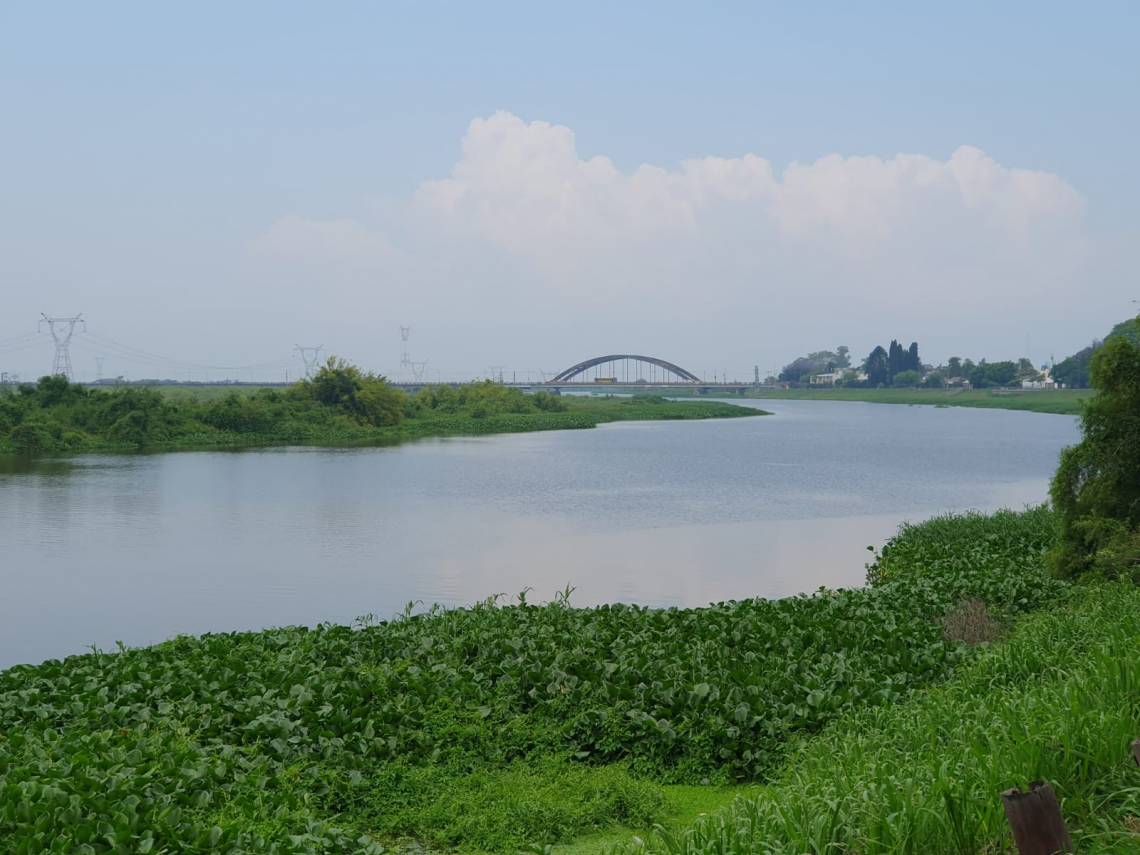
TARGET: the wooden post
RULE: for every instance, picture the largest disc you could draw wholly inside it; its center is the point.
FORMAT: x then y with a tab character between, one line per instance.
1035	820
1136	751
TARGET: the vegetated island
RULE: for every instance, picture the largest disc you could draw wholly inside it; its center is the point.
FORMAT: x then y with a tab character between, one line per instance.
340	405
985	652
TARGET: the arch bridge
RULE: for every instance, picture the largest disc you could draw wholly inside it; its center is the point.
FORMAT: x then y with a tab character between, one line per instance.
627	369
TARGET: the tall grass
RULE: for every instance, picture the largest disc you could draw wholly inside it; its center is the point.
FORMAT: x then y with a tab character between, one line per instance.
1059	700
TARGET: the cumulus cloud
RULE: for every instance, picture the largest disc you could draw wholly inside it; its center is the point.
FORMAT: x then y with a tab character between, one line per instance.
523	185
525	229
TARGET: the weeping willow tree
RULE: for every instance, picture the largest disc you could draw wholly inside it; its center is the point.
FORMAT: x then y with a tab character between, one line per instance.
1096	488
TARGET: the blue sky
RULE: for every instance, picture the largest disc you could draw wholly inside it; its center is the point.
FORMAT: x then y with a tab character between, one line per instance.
146	149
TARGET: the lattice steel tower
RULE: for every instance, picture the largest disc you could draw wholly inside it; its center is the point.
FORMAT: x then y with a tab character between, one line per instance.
405	360
310	356
62	329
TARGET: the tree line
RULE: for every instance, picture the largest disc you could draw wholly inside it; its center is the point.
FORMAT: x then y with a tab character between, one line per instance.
900	366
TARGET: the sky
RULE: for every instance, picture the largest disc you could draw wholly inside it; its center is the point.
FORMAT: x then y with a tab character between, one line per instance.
526	185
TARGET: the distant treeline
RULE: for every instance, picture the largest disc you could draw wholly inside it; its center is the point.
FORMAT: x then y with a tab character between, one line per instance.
901	367
1074	370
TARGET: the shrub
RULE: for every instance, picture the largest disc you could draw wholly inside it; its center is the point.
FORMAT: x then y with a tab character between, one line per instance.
239	413
131	429
1096	487
32	437
548	403
366	397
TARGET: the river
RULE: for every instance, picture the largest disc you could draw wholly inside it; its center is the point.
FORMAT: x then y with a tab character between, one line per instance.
137	548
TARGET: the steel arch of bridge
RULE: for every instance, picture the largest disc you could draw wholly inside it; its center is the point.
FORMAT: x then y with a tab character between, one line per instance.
582	367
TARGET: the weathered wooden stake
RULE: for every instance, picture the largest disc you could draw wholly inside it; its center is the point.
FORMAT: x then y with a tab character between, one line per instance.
1035	819
1136	751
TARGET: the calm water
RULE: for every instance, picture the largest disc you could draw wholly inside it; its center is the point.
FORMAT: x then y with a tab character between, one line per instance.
138	548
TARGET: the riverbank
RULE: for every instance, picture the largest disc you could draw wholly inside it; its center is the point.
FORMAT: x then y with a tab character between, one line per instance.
55	417
1060	401
493	727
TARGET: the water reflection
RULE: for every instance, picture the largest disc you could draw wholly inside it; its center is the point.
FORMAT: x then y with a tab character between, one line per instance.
138	548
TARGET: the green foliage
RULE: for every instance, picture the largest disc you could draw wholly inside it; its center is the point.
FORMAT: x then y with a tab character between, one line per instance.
1075	371
501	809
820	362
341	405
32	437
986	374
365	397
1064	401
1059	701
910	377
489	726
1097	486
883	366
877	367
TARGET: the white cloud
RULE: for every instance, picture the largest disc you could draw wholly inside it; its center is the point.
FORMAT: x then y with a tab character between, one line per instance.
524	187
525	233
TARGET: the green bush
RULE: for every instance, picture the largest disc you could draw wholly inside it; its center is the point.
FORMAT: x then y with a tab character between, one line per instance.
906	378
240	414
1096	488
366	397
32	437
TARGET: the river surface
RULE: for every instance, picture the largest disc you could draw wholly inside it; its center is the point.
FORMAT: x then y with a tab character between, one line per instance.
137	548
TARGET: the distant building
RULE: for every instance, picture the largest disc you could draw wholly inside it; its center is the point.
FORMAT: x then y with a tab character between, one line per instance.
1045	381
828	379
833	377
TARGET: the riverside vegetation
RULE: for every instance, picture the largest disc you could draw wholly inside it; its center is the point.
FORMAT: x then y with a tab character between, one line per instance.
485	728
986	651
340	405
1061	401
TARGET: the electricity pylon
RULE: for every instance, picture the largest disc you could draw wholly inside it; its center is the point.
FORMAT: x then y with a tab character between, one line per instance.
310	356
62	329
405	360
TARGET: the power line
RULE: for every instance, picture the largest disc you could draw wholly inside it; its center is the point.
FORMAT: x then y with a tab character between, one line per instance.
139	355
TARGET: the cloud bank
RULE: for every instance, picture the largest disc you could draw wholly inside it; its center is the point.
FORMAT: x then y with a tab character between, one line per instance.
524	187
844	248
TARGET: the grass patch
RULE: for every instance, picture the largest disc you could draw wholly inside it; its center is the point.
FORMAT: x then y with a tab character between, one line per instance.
1062	401
1060	701
684	804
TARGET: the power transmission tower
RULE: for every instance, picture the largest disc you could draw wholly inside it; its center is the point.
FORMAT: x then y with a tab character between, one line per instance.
62	329
310	356
99	367
405	360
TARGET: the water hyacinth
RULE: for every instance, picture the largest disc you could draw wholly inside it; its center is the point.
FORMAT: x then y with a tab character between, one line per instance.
301	739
